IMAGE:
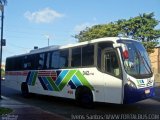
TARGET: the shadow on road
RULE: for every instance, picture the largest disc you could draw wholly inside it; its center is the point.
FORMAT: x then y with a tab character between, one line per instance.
157	94
67	107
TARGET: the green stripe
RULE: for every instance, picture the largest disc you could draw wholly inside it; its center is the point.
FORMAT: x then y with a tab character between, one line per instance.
138	82
66	79
83	80
52	84
34	78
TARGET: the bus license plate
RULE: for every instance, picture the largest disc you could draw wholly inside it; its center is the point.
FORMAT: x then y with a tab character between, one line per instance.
147	91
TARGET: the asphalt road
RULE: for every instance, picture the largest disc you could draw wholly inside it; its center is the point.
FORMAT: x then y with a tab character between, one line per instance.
69	109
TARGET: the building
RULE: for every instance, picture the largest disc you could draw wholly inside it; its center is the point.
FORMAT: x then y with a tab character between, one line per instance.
155	60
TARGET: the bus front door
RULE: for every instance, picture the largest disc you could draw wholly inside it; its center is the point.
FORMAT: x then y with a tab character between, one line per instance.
112	77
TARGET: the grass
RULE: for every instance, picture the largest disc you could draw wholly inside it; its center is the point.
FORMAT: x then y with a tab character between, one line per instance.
4	111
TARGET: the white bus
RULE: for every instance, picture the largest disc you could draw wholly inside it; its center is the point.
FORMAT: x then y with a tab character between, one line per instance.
112	70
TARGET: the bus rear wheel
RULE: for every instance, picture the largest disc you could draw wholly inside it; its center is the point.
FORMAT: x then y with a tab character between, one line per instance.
25	90
84	97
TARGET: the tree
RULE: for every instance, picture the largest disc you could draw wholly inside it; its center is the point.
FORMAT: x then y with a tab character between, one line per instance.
141	28
3	2
2	72
98	31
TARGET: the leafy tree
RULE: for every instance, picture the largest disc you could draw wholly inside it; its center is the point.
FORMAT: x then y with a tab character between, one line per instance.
141	28
2	72
98	31
3	2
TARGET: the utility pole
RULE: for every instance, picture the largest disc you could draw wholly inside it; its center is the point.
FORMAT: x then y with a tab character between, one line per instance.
48	38
2	17
48	41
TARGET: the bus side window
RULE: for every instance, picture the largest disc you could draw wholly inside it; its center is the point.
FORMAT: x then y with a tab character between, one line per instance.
55	59
100	49
88	55
99	58
48	60
111	63
27	62
63	60
41	60
76	57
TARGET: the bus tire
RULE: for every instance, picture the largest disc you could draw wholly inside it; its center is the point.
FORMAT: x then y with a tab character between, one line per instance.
25	90
84	97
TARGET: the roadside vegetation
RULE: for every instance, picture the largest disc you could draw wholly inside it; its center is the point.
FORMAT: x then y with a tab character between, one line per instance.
142	28
4	111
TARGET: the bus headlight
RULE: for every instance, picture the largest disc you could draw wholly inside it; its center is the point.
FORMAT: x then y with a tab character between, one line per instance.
131	84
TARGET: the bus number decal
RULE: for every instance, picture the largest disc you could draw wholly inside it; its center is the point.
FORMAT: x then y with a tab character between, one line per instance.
87	73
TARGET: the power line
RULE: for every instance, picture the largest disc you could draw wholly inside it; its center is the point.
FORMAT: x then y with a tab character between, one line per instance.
18	46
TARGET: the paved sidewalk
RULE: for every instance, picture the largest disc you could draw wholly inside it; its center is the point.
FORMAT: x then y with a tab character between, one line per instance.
23	111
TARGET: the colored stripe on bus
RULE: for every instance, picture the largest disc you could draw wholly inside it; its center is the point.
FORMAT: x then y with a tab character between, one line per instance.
83	80
61	77
58	72
76	81
53	84
31	78
66	79
34	78
74	78
27	80
48	85
72	85
42	83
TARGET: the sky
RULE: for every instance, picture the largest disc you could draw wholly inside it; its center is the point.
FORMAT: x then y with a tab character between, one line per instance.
29	23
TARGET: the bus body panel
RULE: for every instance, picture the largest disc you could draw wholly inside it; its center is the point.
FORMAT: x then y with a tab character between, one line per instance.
113	89
103	89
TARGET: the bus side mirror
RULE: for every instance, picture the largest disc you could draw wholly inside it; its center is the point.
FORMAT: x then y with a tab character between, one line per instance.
116	45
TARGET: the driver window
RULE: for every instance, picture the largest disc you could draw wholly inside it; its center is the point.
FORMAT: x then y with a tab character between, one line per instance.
111	63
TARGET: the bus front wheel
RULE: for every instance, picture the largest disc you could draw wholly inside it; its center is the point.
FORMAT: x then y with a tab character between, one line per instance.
84	97
25	90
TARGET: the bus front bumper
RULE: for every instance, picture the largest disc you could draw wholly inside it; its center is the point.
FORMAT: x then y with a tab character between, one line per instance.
132	95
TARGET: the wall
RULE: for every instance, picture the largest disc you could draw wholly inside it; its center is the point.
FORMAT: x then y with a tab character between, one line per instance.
155	62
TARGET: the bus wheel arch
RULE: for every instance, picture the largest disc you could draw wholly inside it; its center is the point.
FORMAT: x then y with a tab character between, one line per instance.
25	90
84	96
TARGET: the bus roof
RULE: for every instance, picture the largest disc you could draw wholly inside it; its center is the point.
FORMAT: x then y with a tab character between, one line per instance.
56	47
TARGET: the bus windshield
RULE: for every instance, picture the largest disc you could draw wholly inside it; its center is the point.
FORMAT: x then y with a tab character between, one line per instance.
135	58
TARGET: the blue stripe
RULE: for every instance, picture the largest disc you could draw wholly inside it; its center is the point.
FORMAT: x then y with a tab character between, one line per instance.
76	81
48	85
72	85
42	83
61	76
142	81
27	79
31	78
